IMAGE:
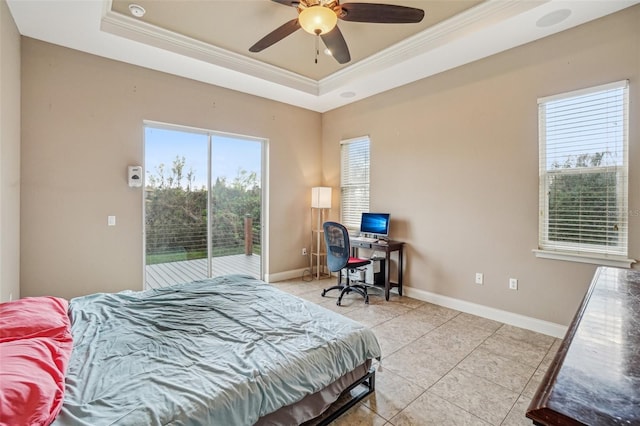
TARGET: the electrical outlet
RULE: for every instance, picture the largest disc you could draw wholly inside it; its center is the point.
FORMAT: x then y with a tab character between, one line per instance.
479	278
304	251
513	283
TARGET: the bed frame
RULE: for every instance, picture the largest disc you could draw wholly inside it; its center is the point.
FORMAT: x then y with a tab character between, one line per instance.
323	407
369	382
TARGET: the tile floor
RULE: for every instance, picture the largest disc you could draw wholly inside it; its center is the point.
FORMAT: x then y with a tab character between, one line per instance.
440	366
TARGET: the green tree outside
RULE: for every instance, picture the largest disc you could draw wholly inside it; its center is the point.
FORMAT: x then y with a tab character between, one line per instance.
176	214
583	207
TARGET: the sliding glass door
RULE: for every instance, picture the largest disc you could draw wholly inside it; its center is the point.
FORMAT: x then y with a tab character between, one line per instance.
203	205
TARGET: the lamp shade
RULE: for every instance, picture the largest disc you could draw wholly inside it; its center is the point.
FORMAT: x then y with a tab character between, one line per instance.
317	20
321	197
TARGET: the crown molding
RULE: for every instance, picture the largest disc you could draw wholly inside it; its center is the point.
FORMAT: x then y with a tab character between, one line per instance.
143	32
464	24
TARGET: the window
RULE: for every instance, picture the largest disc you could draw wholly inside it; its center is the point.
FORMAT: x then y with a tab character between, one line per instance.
354	180
583	138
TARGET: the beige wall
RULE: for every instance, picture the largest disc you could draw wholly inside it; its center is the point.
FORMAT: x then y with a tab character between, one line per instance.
9	156
454	159
82	125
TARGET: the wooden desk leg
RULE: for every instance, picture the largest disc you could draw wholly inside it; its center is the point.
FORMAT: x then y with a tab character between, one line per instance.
400	271
387	274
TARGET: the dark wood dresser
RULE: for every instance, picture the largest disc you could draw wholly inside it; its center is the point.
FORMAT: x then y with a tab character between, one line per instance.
595	376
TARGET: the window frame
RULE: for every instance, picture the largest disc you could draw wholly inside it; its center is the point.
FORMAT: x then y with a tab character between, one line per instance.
350	214
582	251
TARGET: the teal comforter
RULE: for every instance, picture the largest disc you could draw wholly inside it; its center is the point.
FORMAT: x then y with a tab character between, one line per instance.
224	351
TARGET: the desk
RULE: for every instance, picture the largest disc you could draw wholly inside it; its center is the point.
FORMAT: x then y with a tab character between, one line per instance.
388	248
595	376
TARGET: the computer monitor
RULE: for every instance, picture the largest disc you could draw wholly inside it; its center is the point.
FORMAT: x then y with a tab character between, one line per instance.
376	224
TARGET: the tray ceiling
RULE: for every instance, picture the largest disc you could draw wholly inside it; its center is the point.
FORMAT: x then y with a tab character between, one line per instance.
208	40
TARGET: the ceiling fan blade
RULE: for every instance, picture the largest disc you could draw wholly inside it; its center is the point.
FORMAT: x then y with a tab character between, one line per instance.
292	3
276	35
334	40
380	13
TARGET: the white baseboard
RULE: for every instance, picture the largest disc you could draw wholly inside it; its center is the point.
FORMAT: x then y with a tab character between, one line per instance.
517	320
286	275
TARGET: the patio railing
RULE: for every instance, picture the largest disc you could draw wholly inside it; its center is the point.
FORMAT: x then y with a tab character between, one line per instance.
187	242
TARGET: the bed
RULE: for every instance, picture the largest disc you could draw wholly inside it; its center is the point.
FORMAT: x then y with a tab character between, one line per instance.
227	351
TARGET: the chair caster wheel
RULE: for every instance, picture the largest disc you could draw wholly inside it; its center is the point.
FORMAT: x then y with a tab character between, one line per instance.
338	303
366	301
324	292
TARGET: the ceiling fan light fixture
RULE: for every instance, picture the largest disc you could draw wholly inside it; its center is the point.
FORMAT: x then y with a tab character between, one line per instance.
317	20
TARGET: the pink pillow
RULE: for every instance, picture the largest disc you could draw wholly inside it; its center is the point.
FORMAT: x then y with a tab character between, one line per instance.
35	347
32	377
33	317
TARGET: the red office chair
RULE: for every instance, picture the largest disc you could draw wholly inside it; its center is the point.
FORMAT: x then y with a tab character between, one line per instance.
339	257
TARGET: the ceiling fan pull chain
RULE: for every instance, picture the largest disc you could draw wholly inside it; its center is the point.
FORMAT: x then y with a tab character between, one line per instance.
317	47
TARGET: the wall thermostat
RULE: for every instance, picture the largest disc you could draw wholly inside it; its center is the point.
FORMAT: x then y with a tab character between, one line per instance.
135	176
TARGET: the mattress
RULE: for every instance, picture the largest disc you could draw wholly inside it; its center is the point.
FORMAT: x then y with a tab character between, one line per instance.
228	351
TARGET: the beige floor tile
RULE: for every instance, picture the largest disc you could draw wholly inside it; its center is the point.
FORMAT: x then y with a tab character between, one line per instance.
469	320
372	315
393	393
316	297
342	309
395	307
360	415
498	369
526	336
431	315
439	366
458	338
532	386
430	409
516	416
349	300
296	288
389	345
320	285
476	395
423	361
551	354
517	350
400	329
377	297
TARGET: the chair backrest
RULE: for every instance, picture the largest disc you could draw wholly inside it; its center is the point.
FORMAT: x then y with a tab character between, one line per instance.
336	238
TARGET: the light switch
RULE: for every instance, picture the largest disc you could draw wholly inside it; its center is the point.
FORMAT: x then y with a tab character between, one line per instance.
111	220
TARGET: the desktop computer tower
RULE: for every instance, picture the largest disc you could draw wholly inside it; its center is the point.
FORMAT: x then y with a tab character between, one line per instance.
372	274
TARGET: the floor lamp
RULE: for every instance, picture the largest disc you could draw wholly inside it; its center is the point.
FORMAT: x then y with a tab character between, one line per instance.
320	200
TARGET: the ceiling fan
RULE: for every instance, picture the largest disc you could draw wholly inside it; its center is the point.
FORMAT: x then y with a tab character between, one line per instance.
319	17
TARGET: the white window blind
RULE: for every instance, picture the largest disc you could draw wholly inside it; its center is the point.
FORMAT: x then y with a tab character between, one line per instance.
354	181
583	138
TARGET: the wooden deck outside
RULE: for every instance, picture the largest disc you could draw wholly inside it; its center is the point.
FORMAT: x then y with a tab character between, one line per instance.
165	274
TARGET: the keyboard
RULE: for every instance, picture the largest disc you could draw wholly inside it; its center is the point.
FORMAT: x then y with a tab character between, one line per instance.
366	239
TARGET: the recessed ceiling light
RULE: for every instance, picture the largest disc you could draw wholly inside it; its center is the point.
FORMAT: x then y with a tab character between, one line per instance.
553	18
137	10
347	94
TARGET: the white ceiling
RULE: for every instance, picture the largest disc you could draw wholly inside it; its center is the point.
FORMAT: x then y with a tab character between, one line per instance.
449	37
